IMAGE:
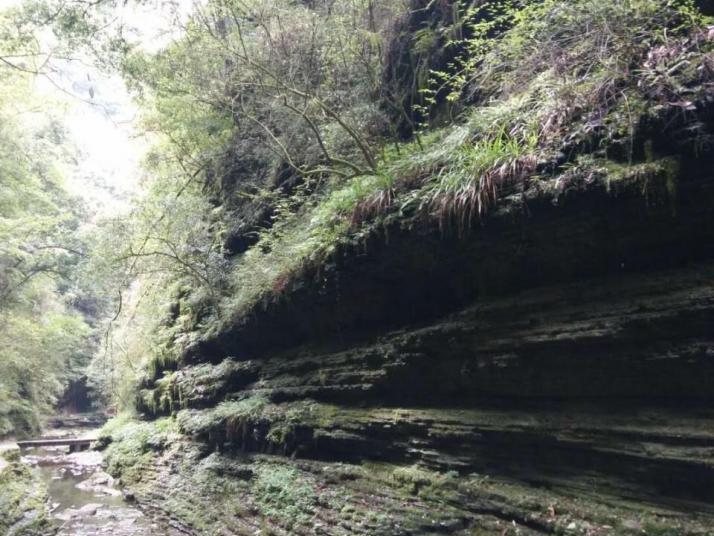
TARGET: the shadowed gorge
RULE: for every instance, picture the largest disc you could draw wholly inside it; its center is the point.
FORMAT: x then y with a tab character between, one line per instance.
385	268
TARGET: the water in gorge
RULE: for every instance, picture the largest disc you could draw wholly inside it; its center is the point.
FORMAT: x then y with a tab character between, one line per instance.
83	498
86	501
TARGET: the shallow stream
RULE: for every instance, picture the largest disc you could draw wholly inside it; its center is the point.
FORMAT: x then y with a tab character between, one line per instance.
85	500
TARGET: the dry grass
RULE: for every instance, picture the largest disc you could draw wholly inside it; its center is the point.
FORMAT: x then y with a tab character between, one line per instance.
463	192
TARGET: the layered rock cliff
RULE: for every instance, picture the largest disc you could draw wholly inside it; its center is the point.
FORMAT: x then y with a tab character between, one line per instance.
546	368
571	394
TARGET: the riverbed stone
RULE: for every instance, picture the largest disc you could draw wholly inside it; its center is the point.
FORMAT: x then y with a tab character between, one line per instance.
88	509
99	483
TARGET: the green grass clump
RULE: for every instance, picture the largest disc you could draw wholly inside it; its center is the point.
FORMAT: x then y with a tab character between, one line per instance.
464	190
284	494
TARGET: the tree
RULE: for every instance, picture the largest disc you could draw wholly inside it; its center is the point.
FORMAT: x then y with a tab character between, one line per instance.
45	324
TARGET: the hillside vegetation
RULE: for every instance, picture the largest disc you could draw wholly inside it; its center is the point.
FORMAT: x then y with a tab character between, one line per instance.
46	307
348	174
393	267
296	135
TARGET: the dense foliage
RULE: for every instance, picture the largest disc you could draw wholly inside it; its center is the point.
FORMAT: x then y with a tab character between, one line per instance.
318	167
48	304
286	133
44	334
280	145
258	107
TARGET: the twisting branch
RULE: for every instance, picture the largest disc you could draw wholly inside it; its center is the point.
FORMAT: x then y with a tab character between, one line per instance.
279	83
283	151
330	159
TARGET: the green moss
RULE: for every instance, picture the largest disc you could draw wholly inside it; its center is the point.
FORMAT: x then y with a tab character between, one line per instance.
229	420
23	499
205	494
163	360
417	480
132	445
656	180
284	494
256	419
225	494
177	390
207	381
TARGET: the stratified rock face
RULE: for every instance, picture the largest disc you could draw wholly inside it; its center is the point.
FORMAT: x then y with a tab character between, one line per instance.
570	392
612	378
556	233
549	370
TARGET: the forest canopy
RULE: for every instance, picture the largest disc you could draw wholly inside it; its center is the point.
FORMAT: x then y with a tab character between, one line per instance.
45	307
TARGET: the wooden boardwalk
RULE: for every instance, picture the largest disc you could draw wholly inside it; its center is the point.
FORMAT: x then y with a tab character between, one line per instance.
74	444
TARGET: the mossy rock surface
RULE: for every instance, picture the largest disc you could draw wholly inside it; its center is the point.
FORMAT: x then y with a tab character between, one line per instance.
506	329
240	494
23	499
